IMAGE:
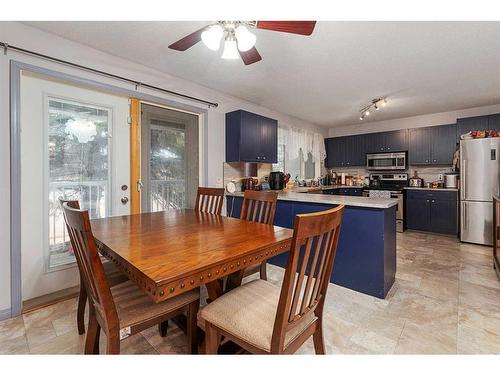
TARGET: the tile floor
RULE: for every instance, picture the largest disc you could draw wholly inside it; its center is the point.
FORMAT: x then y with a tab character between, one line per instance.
446	300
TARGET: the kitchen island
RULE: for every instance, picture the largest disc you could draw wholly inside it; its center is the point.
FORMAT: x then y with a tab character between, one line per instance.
366	252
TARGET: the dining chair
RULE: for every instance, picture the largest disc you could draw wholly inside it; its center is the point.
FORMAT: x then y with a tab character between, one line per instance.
259	207
209	200
113	275
124	309
265	319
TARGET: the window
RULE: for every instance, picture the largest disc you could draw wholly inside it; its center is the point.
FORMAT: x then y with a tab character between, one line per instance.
300	166
78	153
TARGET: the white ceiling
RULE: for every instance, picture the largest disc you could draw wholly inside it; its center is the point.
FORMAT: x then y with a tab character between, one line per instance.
423	67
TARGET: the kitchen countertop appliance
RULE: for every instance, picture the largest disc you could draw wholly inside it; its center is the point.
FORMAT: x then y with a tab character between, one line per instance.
416	181
479	182
451	180
277	180
394	161
389	185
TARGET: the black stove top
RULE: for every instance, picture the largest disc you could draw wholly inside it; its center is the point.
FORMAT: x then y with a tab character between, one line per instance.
388	181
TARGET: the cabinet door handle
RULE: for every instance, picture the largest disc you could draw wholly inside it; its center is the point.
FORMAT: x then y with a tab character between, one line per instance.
434	160
433	201
426	160
264	158
427	201
258	157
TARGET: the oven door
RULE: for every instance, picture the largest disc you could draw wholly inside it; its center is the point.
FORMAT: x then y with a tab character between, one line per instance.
388	161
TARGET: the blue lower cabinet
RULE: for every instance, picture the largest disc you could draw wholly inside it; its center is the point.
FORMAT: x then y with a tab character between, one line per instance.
355	192
432	211
366	253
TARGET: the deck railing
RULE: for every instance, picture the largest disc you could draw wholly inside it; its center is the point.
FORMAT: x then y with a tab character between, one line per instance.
167	194
92	195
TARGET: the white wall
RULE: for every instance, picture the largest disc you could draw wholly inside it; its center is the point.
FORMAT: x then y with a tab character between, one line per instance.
29	38
412	122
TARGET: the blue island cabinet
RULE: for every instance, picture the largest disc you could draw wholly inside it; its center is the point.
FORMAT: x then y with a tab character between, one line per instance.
366	254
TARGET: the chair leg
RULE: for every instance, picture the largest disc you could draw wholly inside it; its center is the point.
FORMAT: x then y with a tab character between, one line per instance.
80	313
192	327
96	340
113	344
263	271
162	328
92	334
319	343
211	339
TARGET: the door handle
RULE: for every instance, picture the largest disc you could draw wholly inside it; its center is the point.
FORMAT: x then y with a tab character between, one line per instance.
124	200
464	216
462	180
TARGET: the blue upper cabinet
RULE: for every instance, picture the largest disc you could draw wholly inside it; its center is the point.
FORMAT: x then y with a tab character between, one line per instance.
465	125
494	122
386	141
345	151
350	151
251	138
433	145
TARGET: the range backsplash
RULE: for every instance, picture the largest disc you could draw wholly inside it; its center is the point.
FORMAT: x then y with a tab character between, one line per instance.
429	174
235	172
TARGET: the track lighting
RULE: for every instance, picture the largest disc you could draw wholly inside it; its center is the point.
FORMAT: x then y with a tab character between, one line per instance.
376	104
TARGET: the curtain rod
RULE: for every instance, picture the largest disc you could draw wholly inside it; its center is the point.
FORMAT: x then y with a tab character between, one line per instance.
137	84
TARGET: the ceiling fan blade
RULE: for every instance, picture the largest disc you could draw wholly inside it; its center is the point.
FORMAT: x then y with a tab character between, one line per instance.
294	27
251	56
188	41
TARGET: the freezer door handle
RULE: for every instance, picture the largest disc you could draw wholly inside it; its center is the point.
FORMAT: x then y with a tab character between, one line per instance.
464	215
462	180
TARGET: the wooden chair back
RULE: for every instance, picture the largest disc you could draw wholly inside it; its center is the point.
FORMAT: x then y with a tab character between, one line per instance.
308	270
91	269
209	200
259	206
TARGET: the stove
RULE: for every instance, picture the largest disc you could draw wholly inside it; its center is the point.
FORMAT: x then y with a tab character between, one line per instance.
389	185
388	181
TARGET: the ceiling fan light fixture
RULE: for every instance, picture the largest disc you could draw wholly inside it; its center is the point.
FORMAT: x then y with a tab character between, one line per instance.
212	36
245	38
230	49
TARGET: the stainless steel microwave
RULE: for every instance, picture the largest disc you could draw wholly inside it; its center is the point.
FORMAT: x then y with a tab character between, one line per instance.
387	161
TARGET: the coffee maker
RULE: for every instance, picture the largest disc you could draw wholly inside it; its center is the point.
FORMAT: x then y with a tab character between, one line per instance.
277	180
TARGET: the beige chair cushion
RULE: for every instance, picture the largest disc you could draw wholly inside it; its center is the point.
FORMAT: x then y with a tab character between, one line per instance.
134	306
248	313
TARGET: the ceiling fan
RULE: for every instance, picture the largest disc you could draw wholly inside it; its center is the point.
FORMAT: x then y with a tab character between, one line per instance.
238	40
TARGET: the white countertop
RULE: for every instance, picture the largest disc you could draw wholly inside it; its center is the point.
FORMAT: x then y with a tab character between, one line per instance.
425	188
302	189
331	199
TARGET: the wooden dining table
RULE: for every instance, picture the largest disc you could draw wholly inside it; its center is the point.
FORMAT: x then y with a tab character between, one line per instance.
168	253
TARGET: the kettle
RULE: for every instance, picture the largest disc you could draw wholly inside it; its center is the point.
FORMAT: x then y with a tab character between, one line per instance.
416	181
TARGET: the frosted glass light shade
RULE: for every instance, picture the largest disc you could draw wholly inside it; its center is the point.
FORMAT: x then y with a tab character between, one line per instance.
212	37
230	50
245	38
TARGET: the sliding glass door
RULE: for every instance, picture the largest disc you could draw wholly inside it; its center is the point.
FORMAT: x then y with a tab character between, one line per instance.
169	159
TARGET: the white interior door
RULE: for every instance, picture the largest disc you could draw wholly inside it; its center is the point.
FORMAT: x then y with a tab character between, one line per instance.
74	144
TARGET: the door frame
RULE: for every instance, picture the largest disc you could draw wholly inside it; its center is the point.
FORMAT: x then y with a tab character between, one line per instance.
15	70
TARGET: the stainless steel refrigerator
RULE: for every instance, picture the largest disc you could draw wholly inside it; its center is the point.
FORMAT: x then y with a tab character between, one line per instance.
479	182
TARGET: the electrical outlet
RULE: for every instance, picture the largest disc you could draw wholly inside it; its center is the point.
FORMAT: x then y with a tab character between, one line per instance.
440	177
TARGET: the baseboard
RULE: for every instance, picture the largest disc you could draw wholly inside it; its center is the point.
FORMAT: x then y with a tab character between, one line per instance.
5	314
